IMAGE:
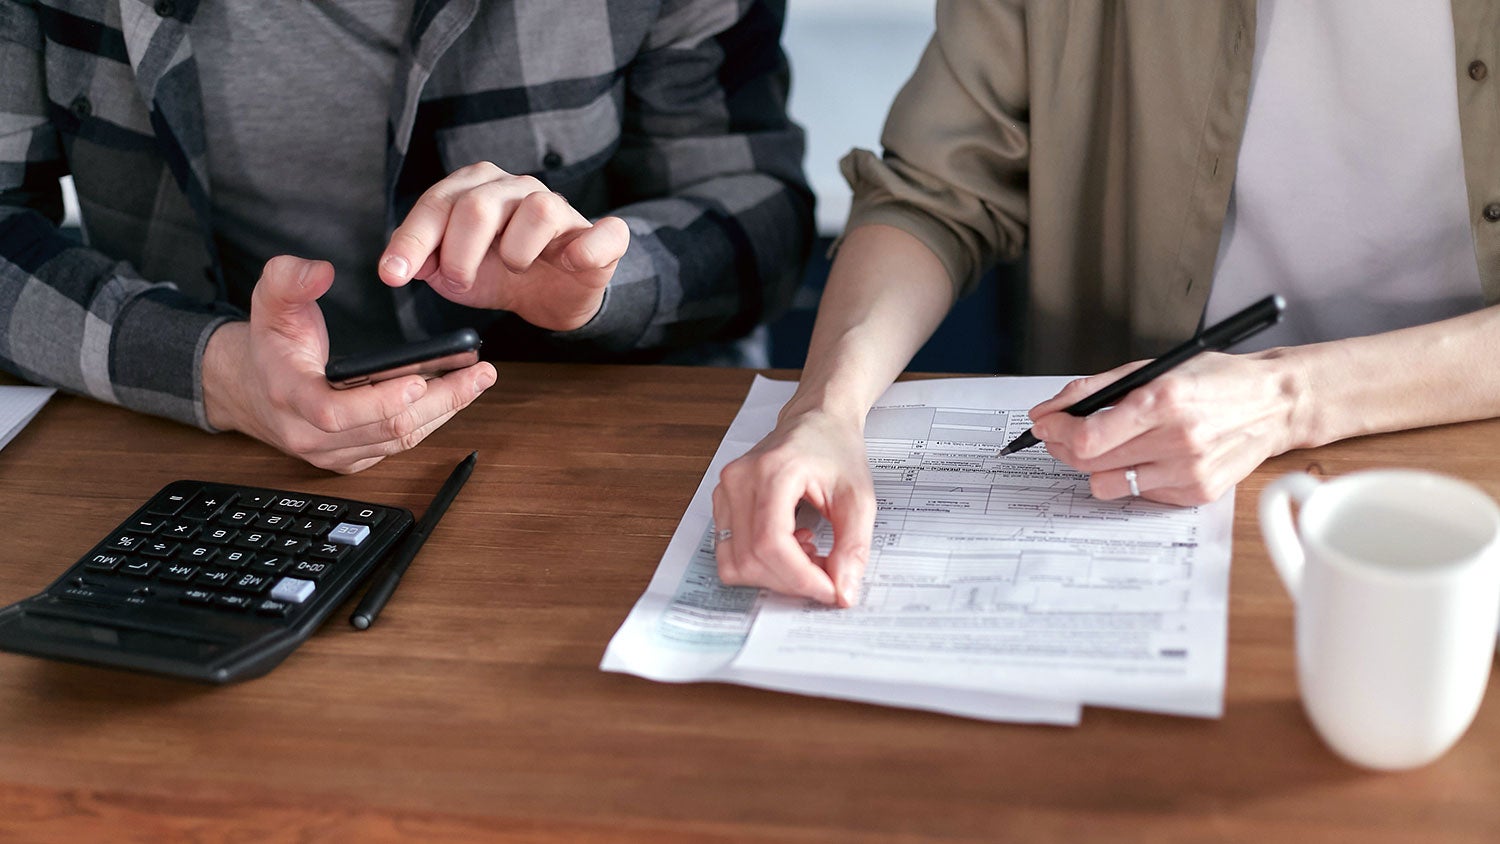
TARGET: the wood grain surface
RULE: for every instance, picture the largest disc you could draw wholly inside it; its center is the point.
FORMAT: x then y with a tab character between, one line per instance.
474	710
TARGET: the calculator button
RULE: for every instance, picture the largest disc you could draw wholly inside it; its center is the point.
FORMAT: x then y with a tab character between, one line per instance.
126	542
197	553
233	602
326	509
364	515
311	569
214	577
144	525
309	527
329	550
208	502
270	563
104	562
292	590
179	572
251	582
275	609
235	559
255	499
289	545
254	539
198	596
179	530
237	517
159	548
167	505
138	567
219	535
290	504
274	521
349	534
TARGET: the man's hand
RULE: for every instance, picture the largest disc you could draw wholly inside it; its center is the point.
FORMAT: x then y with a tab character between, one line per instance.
265	378
1191	434
487	239
812	457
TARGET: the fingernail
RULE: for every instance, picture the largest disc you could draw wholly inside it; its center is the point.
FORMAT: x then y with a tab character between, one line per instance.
397	266
483	382
849	589
567	263
415	391
437	279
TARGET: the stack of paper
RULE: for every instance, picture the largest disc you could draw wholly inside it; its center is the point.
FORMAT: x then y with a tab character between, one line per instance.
997	588
17	407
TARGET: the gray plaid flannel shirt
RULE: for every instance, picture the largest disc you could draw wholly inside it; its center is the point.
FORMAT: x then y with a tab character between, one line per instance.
668	113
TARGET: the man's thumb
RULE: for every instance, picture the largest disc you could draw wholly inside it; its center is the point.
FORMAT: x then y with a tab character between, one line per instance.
288	283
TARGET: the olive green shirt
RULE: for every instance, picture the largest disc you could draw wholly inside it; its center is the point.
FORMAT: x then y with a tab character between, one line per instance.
1100	140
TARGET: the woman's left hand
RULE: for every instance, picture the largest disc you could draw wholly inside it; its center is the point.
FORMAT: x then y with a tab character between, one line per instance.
1190	435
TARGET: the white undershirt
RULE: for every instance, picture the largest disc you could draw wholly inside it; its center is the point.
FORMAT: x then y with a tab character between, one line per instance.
1349	198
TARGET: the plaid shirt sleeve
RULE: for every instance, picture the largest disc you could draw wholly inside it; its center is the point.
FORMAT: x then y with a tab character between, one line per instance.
71	317
723	221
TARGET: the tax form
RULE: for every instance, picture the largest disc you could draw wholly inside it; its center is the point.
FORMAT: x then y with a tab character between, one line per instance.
997	587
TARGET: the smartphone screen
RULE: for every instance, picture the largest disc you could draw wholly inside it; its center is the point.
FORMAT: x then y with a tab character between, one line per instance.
429	358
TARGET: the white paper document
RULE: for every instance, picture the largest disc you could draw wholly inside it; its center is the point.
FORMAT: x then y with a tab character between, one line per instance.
18	405
997	587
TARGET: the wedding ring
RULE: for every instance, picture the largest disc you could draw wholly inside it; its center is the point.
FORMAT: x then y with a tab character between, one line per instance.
1130	479
723	535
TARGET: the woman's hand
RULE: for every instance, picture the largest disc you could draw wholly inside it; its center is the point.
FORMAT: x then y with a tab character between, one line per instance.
1190	435
814	457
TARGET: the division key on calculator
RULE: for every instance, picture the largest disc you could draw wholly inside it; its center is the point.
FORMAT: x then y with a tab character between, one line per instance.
206	581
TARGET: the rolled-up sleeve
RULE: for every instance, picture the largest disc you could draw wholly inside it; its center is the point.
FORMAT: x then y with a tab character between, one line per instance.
956	144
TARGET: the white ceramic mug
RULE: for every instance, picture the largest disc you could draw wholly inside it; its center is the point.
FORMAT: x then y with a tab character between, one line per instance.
1396	578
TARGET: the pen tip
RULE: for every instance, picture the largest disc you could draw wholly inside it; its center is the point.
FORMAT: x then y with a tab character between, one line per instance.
360	622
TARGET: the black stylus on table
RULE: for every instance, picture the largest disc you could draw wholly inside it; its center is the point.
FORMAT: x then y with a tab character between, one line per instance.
1243	325
388	577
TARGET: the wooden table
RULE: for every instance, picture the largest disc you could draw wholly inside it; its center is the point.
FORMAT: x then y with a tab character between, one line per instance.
475	709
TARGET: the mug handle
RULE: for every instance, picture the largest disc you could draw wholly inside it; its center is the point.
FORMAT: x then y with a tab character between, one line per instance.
1277	528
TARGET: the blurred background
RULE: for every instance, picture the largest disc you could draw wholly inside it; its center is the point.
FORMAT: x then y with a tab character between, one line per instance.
849	58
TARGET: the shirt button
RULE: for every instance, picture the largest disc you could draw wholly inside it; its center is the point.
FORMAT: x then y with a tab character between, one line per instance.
1477	70
81	107
1492	212
166	8
551	160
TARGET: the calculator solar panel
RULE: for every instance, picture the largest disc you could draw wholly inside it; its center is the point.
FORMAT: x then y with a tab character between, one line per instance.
207	581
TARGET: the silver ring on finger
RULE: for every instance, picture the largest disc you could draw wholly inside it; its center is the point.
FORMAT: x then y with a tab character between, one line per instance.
723	535
1130	478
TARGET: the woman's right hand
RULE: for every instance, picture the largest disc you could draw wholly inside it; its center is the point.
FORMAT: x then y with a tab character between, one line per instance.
815	457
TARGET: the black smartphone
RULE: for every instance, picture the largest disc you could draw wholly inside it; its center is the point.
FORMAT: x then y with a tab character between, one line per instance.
428	358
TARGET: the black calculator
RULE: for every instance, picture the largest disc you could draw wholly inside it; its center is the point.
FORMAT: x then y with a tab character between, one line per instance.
207	581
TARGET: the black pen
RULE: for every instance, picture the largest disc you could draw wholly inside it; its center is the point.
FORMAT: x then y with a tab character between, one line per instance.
389	576
1233	329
